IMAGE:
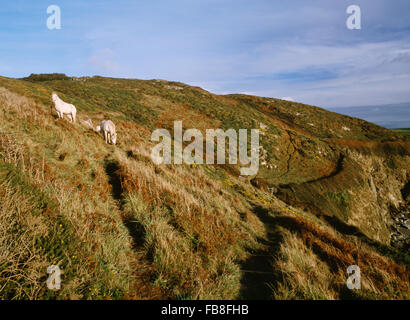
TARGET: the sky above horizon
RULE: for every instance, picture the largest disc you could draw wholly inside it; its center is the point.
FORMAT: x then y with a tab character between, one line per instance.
298	49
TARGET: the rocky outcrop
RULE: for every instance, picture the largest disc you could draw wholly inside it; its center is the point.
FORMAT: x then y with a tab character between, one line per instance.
365	191
400	237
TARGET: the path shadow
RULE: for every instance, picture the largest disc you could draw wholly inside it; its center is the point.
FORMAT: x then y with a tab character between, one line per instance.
259	274
397	255
342	227
405	192
260	283
114	179
135	229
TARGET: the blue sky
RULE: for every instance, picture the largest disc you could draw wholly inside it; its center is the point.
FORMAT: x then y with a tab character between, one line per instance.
297	49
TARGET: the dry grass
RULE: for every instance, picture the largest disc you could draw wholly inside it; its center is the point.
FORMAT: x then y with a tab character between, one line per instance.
304	275
121	227
21	265
85	234
187	217
314	260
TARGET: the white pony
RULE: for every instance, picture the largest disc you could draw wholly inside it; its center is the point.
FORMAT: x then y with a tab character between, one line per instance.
108	128
63	108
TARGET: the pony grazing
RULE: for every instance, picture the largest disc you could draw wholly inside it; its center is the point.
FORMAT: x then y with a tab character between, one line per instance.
63	108
108	128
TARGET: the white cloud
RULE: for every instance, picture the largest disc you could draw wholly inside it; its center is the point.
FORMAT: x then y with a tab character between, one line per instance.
104	61
358	74
288	99
250	50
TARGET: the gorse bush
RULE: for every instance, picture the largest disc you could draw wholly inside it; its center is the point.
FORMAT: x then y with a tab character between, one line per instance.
46	77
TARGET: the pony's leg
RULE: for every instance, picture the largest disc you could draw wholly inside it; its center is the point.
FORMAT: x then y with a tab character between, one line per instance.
106	136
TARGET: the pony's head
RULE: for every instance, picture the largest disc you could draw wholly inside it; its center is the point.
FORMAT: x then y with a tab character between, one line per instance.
54	96
114	138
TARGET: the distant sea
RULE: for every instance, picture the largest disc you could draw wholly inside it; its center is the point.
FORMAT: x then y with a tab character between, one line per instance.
392	116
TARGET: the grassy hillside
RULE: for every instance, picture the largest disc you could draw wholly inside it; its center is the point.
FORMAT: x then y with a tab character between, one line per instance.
404	131
121	227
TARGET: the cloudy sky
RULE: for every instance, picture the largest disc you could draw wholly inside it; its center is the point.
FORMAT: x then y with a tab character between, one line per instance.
296	49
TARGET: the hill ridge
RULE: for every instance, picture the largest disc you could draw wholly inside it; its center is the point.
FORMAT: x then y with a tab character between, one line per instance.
131	229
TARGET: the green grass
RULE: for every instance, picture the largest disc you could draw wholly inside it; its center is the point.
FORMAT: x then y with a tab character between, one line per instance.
405	131
122	228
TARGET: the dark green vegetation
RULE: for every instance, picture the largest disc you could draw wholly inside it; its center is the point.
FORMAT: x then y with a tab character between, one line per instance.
121	227
405	131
